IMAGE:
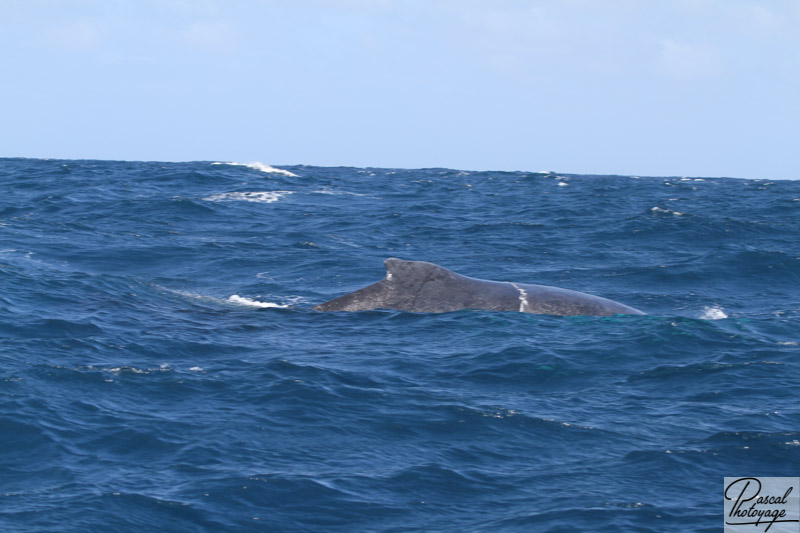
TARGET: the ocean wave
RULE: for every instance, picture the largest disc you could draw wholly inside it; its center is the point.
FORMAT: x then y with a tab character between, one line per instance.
162	367
261	167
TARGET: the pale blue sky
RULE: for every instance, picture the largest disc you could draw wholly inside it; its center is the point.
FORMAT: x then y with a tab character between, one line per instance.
643	87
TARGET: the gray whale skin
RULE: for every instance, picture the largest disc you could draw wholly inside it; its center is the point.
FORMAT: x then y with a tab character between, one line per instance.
427	288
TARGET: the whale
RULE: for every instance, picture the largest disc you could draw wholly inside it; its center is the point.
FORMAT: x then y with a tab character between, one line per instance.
422	287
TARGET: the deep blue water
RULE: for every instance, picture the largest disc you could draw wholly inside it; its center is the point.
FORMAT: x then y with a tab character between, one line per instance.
162	369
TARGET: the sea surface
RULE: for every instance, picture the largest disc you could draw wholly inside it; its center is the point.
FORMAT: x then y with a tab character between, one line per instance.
161	368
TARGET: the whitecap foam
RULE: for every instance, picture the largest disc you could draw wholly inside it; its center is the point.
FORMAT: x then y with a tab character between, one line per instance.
713	313
263	197
234	299
248	302
344	241
261	167
327	190
665	211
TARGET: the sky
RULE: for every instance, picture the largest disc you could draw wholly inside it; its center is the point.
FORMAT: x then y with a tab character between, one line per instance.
632	87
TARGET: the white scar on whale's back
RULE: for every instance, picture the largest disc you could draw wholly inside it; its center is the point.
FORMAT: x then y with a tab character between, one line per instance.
523	297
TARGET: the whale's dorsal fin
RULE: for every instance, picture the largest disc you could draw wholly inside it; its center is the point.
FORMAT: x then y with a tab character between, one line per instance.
398	290
413	272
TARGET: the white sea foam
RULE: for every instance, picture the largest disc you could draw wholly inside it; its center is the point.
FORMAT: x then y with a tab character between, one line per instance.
326	190
131	369
665	211
261	167
264	197
234	299
714	312
342	240
248	302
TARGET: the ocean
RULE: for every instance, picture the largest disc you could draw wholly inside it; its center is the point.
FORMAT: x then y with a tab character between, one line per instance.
162	368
